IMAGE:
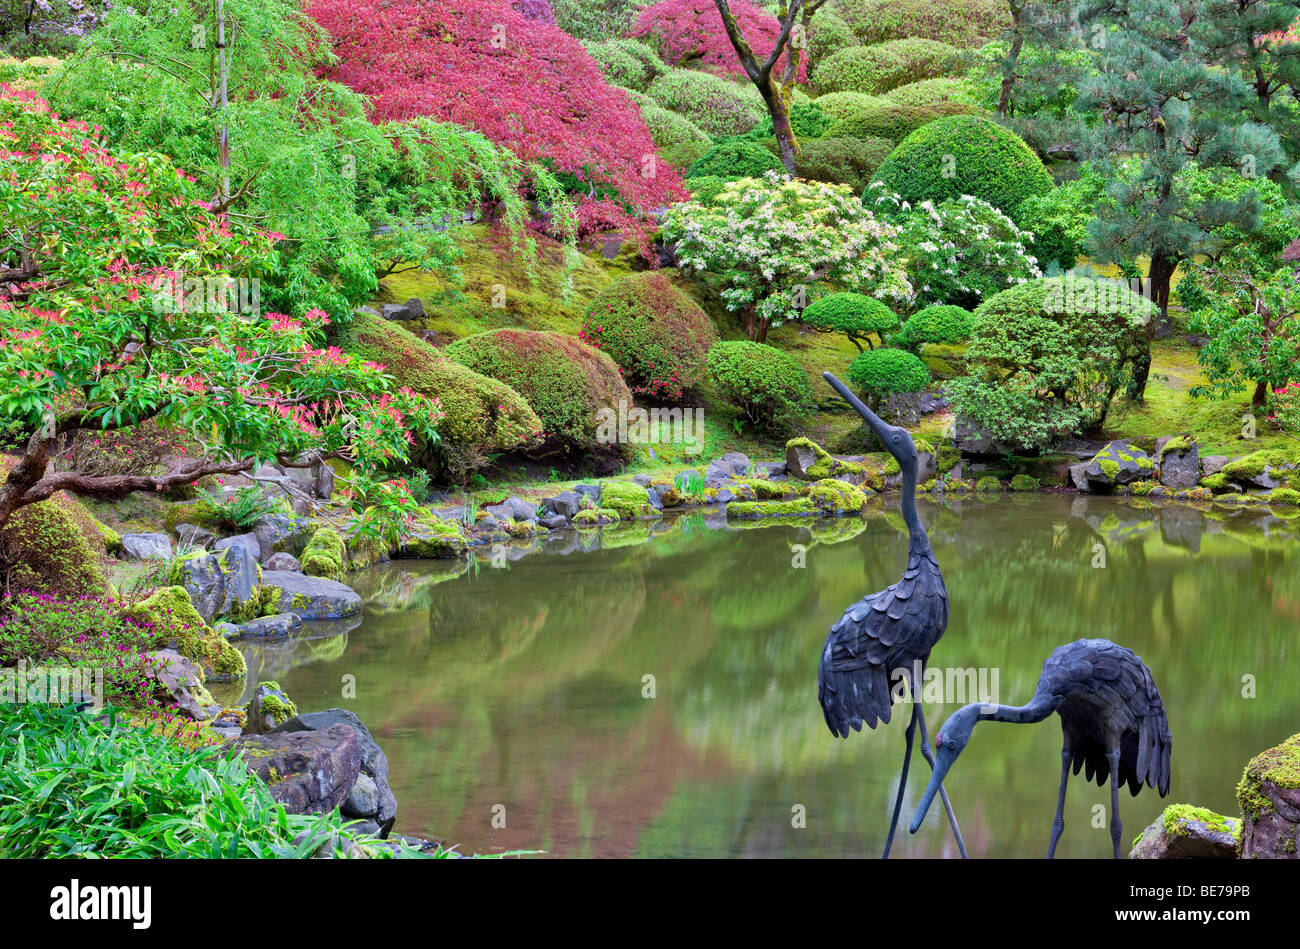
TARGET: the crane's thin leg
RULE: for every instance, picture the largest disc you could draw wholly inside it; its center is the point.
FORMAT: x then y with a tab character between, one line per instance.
1058	823
902	779
1116	827
928	755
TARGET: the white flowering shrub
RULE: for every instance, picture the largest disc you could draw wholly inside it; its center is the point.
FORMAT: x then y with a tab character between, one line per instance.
772	239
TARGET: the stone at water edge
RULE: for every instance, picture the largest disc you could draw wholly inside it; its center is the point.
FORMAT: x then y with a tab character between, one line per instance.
309	772
1186	832
146	546
1269	795
278	626
1180	464
1079	477
1118	463
269	708
566	503
374	761
312	598
513	509
1213	464
220	582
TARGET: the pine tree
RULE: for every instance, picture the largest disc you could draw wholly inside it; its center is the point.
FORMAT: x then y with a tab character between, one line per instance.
1157	106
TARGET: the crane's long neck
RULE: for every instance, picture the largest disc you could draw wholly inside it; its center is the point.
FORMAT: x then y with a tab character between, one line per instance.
918	541
1039	707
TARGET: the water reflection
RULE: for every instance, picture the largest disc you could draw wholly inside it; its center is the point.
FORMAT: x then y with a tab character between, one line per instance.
526	687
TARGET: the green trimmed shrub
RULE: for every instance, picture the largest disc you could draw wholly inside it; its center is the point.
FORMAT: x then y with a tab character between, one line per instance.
965	23
566	381
45	548
842	161
856	315
878	69
940	323
626	63
735	159
883	372
483	416
668	129
602	20
926	91
991	163
716	106
842	105
827	35
707	188
808	120
769	388
893	121
655	332
1048	357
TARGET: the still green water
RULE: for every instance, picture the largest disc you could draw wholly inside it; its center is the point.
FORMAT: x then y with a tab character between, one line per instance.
519	692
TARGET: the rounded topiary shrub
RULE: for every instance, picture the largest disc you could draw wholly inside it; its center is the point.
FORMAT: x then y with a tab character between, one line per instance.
877	69
827	35
626	63
926	91
808	120
841	105
893	121
842	161
965	23
735	159
856	315
716	106
965	155
657	334
566	382
483	416
883	372
50	547
940	323
769	388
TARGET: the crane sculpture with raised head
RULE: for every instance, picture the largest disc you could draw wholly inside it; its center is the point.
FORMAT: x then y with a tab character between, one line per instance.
894	629
1112	718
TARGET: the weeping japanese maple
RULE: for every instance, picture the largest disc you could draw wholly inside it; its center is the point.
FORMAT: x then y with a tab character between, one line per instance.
521	82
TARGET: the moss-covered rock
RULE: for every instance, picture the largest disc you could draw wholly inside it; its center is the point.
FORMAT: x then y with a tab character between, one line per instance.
1288	496
323	555
1023	482
631	501
432	538
805	459
988	484
793	507
1185	831
1268	468
595	517
170	615
1269	795
836	498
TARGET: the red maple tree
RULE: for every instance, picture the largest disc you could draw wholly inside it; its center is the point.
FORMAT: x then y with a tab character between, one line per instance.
691	33
523	83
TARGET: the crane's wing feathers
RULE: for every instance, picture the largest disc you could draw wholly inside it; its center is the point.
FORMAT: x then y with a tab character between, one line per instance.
878	634
1107	689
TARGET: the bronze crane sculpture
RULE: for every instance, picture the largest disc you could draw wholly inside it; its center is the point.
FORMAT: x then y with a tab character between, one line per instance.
887	631
1112	718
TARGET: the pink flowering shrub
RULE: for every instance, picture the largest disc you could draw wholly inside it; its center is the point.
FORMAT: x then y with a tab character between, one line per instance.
691	33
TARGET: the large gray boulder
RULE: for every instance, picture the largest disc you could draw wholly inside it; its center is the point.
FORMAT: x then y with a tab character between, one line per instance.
182	680
278	626
248	541
282	561
312	598
283	532
1213	464
268	708
1118	463
309	772
374	764
1269	795
146	547
565	503
1180	464
734	464
220	582
513	509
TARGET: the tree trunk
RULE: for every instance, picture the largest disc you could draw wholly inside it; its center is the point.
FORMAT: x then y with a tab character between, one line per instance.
780	112
1009	67
1260	395
762	332
1160	276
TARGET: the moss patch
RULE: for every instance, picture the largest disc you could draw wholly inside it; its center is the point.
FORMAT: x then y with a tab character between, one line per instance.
1279	765
172	617
630	500
836	498
323	555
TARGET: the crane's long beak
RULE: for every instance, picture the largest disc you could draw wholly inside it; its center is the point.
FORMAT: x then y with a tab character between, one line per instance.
941	766
875	421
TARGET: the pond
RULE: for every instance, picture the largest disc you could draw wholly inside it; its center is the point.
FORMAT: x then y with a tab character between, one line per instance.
518	694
